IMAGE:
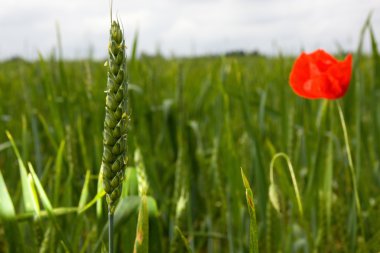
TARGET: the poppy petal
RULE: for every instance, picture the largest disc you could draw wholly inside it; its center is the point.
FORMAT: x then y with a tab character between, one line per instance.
323	60
340	76
320	75
304	77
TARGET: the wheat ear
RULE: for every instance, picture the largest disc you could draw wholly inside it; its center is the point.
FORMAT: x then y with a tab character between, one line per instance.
115	124
115	134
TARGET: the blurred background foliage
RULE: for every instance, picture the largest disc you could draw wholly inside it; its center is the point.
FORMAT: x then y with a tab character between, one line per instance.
194	122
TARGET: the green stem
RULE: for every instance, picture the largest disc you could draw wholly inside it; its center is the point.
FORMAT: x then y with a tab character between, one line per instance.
110	232
296	191
292	175
44	214
351	167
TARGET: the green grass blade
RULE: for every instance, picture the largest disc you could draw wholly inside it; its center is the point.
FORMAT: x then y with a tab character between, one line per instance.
85	191
375	58
142	233
5	145
36	202
59	211
134	51
93	201
327	186
41	192
126	208
100	191
7	210
184	240
48	206
253	242
82	142
58	172
293	177
27	192
8	218
274	197
47	131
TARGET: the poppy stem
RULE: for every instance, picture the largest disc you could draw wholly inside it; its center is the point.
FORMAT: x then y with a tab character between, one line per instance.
351	166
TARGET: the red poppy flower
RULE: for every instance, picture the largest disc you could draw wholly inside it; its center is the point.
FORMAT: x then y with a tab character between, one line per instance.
320	75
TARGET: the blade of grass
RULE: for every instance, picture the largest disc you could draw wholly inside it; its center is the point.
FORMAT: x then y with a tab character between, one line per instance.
293	177
8	218
327	181
47	205
92	202
184	240
47	131
142	233
352	169
100	191
59	211
36	202
84	194
125	209
58	172
7	210
298	203
253	242
27	192
5	145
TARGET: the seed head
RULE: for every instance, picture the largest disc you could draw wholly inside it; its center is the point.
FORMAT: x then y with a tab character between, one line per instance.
115	124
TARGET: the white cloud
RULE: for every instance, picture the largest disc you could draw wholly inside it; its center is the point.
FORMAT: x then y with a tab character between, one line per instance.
183	26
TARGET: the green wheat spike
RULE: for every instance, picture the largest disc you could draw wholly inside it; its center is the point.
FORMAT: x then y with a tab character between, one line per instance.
115	123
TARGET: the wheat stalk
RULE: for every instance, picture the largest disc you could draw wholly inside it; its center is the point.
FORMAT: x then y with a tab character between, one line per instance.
115	124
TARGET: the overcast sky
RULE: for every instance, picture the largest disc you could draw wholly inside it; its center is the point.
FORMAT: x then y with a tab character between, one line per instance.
184	27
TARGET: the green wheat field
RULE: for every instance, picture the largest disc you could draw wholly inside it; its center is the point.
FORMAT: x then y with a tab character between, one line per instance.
196	126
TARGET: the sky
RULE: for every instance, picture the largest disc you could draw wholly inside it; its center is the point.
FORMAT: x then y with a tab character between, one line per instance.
183	27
